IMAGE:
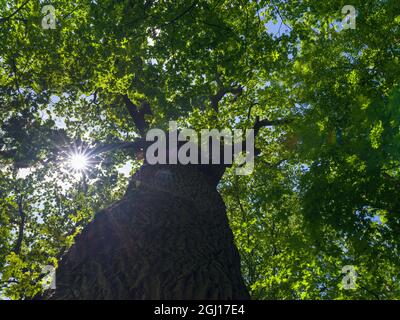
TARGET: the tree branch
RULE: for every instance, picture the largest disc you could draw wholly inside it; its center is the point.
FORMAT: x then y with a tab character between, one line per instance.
136	146
269	123
15	12
138	113
181	14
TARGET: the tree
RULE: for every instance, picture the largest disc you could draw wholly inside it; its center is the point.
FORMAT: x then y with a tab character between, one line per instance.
322	194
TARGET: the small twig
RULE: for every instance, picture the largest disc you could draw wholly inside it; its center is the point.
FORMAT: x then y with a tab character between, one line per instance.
280	16
15	12
181	15
138	114
135	146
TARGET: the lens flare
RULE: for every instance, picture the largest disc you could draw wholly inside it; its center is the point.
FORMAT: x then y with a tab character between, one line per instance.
78	161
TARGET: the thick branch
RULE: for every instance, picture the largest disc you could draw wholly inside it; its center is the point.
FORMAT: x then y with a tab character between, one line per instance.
138	114
135	146
223	90
14	13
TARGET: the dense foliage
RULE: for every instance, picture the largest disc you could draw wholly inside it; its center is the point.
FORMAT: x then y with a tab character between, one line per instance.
324	191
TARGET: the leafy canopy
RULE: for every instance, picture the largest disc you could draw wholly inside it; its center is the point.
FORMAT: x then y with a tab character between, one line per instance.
324	191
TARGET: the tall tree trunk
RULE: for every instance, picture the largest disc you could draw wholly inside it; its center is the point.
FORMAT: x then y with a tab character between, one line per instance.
168	238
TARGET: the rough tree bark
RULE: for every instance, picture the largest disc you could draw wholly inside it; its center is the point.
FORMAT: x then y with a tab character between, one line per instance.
168	238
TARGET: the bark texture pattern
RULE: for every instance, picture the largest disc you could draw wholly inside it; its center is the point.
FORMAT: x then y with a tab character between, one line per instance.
168	238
